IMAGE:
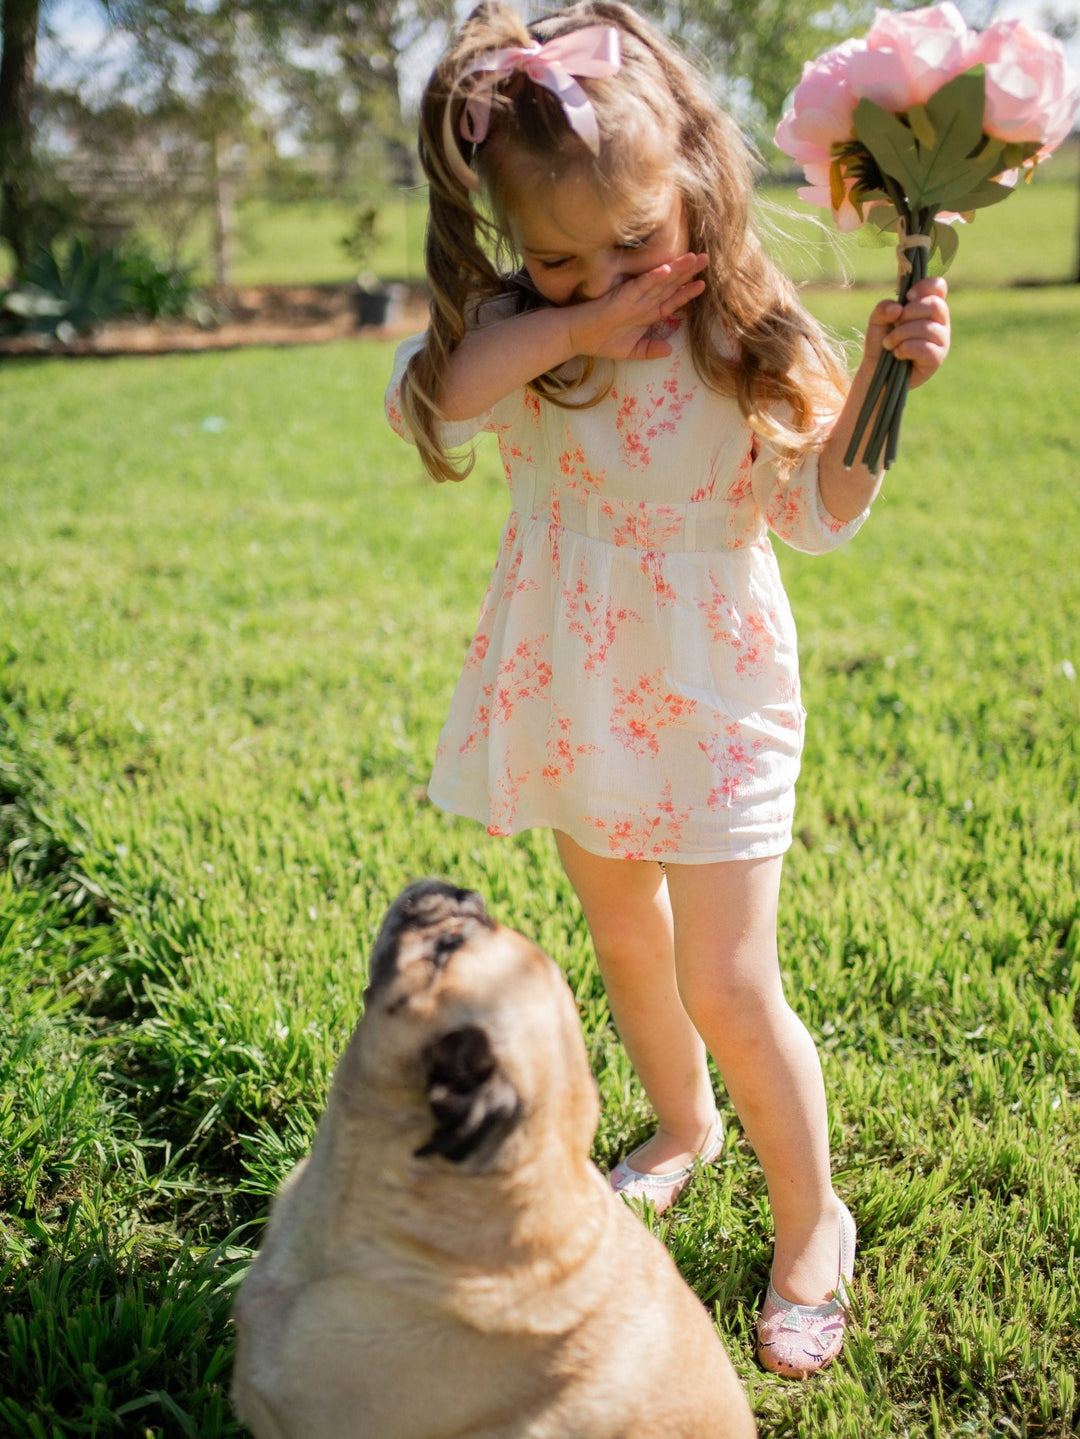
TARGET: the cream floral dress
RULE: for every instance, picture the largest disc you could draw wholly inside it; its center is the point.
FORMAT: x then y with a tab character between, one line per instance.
633	680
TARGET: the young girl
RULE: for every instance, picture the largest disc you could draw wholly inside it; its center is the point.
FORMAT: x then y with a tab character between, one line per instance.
603	304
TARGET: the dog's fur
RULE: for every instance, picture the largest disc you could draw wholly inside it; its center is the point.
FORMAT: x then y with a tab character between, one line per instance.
447	1262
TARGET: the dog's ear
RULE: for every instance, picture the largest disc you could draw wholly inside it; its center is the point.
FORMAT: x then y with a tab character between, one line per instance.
474	1104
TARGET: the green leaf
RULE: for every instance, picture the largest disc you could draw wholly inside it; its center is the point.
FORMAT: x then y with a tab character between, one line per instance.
958	159
28	1132
919	120
988	192
961	158
891	144
946	243
880	228
1015	154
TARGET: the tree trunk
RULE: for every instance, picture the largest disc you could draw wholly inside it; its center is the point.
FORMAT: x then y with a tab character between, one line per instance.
17	65
221	185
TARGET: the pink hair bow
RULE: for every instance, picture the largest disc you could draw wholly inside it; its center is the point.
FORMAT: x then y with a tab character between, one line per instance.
592	52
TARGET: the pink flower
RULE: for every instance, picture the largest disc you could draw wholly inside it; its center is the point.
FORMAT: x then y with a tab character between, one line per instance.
822	107
1030	94
819	192
903	60
908	56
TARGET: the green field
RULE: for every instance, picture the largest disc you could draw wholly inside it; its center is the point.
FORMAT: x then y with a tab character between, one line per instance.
232	615
1033	237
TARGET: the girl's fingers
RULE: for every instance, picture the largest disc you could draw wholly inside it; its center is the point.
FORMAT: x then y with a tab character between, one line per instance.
691	291
930	308
925	345
651	349
675	272
691	261
674	305
917	335
918	325
682	284
662	293
922	353
926	298
631	307
917	330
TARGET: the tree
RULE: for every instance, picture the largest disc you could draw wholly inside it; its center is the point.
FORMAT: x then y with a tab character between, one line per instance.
355	100
1065	26
131	164
17	65
200	65
237	72
755	49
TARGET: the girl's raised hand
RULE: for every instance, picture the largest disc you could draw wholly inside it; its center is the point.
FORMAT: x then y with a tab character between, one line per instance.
615	326
917	331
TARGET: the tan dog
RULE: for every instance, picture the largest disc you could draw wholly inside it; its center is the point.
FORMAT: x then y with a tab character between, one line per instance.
448	1262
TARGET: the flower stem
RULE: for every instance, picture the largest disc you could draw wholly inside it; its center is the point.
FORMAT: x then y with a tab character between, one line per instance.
888	416
877	383
890	380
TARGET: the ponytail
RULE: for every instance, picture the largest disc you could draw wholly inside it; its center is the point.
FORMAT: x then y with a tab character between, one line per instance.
462	244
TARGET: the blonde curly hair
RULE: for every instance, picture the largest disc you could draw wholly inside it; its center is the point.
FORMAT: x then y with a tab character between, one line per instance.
777	361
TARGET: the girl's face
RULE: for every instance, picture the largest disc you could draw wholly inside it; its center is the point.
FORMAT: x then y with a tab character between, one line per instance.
576	247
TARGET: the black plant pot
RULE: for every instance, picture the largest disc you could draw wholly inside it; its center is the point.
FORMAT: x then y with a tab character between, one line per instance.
372	307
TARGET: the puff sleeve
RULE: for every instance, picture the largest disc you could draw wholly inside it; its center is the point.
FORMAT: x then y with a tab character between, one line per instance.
453	433
789	497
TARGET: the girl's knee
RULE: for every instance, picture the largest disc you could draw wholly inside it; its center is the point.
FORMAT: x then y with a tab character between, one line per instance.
625	941
735	1009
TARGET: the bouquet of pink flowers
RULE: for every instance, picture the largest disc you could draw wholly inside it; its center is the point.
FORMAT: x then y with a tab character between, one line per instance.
920	124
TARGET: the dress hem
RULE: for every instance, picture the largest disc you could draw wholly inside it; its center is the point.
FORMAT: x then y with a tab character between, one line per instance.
763	849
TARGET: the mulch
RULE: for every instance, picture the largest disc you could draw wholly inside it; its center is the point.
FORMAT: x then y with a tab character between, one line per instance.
240	317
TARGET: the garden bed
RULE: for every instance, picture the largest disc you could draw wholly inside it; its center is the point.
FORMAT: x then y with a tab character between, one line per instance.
247	315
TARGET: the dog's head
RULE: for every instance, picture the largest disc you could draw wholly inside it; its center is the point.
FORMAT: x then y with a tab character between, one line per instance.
469	1033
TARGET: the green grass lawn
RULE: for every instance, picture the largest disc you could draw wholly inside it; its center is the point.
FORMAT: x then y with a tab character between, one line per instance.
1033	238
300	244
233	612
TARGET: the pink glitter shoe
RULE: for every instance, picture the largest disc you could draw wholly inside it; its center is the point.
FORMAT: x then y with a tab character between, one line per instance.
664	1189
797	1340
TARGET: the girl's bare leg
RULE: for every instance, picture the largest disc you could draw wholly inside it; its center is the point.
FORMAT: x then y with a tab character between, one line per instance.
729	981
629	916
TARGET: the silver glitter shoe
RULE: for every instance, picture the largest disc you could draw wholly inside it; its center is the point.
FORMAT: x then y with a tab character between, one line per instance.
664	1189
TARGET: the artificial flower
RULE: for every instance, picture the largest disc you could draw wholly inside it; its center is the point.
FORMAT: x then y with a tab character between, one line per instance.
922	123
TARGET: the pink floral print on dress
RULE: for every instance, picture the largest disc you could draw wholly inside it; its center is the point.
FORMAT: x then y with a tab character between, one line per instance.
562	753
595	618
643	417
654	831
633	678
642	711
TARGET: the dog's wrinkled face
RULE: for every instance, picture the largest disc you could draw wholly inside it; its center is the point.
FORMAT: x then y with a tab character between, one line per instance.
430	915
468	1024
